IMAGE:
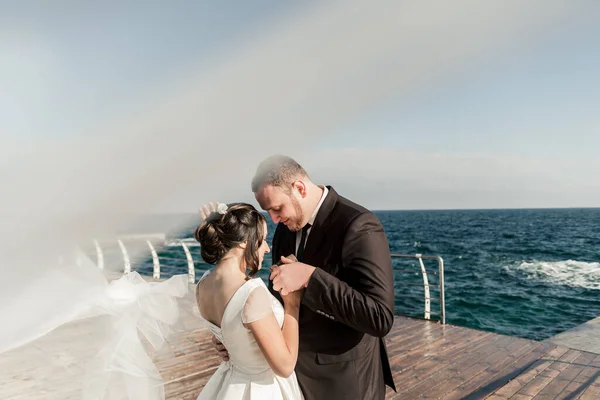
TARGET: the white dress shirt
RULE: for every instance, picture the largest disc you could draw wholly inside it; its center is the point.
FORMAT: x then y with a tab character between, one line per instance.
311	221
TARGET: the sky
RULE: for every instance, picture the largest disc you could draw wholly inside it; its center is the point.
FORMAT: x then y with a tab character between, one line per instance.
477	116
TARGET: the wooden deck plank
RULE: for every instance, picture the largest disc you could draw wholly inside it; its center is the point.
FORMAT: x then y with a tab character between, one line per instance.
547	375
448	365
457	371
423	362
513	360
568	375
511	388
414	346
588	373
591	393
504	375
407	374
571	375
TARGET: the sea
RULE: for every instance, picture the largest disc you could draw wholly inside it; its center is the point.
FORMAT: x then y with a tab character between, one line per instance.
531	273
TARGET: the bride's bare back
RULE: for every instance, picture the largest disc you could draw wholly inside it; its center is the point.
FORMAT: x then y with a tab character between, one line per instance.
213	293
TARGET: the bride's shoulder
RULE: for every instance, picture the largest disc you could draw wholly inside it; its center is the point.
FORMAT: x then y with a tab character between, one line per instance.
258	287
254	283
202	280
204	275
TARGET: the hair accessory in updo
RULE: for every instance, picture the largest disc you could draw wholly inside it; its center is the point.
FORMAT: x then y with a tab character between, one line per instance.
222	208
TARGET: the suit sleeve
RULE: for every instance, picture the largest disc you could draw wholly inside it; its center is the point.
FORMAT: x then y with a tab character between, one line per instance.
368	304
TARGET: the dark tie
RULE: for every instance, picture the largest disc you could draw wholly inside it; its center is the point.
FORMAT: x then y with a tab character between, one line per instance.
300	252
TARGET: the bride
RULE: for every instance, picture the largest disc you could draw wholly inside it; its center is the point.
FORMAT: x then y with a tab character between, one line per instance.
260	335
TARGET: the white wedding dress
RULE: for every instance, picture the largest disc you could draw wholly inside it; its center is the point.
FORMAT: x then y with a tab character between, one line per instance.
247	374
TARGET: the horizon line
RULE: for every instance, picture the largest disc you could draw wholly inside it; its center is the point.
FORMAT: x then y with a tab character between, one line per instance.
420	209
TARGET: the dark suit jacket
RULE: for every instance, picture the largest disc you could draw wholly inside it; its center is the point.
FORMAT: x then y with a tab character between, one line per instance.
348	305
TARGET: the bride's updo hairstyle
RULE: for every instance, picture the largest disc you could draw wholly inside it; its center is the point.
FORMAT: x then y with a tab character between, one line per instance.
228	227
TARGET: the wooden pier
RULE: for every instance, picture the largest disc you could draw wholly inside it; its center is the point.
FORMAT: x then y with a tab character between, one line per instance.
429	360
432	361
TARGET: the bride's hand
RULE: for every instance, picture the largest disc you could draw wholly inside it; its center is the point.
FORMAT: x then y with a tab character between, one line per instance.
293	299
220	349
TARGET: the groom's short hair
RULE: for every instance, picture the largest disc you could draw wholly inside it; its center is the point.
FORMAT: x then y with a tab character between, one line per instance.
277	170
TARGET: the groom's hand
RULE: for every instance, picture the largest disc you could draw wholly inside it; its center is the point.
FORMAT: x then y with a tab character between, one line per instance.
206	209
290	276
223	353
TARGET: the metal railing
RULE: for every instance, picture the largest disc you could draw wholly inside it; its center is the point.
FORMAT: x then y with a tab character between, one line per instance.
189	260
426	285
155	258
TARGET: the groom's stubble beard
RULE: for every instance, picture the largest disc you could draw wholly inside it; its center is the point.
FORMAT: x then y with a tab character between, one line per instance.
297	221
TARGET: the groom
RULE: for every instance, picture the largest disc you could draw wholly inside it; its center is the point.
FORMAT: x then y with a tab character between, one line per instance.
344	267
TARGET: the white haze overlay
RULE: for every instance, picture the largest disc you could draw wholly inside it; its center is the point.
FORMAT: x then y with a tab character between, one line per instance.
569	273
276	93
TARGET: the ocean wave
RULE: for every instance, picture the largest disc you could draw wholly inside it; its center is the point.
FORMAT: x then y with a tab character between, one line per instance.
570	272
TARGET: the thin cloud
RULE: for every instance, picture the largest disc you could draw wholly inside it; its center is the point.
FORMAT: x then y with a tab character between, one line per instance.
384	178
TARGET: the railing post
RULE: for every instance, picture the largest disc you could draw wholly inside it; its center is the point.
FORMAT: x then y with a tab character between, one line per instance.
440	261
99	255
155	261
126	262
190	261
425	287
426	284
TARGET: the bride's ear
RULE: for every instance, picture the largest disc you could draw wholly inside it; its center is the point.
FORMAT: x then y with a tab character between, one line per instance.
243	244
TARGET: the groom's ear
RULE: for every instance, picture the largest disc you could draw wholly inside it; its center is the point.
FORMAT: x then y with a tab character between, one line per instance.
300	188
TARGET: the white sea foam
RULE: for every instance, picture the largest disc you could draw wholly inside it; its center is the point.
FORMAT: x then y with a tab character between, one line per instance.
570	272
